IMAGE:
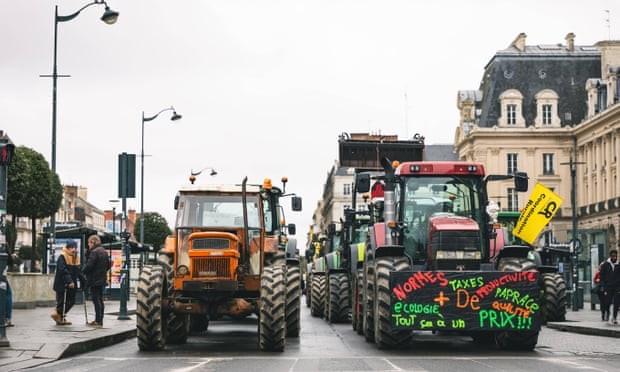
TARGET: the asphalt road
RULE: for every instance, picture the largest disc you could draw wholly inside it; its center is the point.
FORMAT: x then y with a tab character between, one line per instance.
229	346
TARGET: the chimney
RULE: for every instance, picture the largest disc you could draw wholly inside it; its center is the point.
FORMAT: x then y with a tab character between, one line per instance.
570	42
519	42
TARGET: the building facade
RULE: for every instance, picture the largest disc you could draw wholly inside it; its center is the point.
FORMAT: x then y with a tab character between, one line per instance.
552	111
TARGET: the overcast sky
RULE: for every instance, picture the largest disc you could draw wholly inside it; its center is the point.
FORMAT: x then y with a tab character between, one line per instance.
264	87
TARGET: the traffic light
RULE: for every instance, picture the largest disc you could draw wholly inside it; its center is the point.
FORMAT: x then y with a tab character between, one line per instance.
6	153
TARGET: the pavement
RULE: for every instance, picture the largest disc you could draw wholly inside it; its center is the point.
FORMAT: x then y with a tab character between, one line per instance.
36	340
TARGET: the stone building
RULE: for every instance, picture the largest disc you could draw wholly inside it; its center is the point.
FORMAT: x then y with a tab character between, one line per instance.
551	111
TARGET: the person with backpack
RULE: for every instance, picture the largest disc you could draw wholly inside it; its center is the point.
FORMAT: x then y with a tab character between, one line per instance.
96	268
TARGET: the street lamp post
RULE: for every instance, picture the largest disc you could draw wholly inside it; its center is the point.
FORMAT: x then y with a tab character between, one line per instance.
109	17
575	242
174	117
113	201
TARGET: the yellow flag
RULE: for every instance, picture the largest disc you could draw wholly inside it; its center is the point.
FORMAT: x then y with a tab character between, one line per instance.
538	211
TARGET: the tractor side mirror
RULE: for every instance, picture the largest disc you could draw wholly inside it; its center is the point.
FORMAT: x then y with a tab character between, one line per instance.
521	181
296	203
362	182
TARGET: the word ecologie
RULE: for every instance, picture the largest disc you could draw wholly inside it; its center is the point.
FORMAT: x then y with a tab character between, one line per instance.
465	300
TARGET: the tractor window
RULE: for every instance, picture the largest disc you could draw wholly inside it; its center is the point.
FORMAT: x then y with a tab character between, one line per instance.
273	215
426	197
217	211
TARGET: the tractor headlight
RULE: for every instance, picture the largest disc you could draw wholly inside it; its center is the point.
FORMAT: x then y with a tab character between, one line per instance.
182	270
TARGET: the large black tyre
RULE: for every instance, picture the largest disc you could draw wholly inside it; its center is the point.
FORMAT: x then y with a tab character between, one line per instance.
355	300
368	322
385	336
276	260
272	312
317	300
360	302
308	290
177	325
150	319
293	301
554	297
339	306
513	340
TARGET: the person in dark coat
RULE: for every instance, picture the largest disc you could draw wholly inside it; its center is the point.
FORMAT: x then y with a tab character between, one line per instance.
610	279
65	282
96	268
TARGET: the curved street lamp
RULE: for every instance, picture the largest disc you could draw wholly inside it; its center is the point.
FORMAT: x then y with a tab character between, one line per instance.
109	17
174	117
192	177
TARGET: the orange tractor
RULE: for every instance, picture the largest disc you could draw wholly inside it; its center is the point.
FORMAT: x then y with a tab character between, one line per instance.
230	255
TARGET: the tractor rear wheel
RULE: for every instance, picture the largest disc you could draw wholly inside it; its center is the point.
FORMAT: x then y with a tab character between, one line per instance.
293	300
271	323
339	307
516	340
368	322
359	299
317	299
554	297
150	319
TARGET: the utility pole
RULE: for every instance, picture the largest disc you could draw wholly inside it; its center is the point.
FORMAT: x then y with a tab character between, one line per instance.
575	244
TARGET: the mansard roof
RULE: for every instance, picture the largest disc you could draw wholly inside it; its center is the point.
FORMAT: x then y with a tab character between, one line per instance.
533	68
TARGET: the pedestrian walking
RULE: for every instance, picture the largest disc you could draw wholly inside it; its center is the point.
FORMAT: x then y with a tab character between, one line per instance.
610	278
597	289
95	269
66	282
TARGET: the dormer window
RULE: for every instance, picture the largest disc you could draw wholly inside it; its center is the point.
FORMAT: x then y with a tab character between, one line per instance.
511	102
547	109
546	114
511	114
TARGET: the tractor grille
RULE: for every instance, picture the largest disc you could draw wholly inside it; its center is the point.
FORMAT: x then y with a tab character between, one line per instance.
458	265
211	268
210	243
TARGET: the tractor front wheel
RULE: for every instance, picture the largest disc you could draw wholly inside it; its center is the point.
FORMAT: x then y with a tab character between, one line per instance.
150	319
271	323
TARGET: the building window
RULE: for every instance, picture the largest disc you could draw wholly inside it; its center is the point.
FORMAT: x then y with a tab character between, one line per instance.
513	200
511	114
546	112
548	164
512	164
601	98
347	189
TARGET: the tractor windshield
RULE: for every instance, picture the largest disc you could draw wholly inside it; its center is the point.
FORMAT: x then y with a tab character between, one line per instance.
217	211
421	198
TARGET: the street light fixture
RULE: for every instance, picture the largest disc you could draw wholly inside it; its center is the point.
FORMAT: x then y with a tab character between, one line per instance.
109	17
174	117
192	177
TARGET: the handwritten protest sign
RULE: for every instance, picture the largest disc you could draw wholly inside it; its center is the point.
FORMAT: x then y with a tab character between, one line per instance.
465	300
